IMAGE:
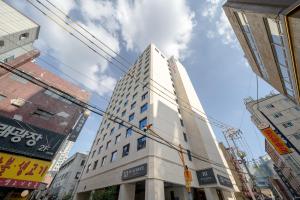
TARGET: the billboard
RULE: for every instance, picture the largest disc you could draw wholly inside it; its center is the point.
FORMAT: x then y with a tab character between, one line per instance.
19	170
134	172
77	128
206	176
276	141
22	138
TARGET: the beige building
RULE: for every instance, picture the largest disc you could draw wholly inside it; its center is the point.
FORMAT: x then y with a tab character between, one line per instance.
283	116
268	32
143	168
17	33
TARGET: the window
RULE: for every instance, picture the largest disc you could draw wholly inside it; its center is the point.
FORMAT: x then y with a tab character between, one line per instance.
18	78
82	162
120	125
287	124
100	149
104	136
95	164
112	130
277	115
296	108
146	71
1	43
113	156
181	122
77	175
118	137
184	136
88	168
93	153
108	125
296	136
136	87
128	132
144	96
134	95
23	36
276	38
98	141
123	113
125	150
249	36
108	144
118	109
103	160
269	106
127	95
141	143
133	105
131	117
143	123
144	107
2	97
145	86
126	102
42	114
189	155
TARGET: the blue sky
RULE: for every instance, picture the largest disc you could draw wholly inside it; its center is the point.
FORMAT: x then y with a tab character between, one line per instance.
196	32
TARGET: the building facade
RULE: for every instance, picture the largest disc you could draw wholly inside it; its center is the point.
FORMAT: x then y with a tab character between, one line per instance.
17	33
278	119
67	177
142	167
268	32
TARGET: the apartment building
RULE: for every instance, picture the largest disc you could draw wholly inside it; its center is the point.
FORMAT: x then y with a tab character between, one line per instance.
17	33
278	118
268	32
67	177
156	91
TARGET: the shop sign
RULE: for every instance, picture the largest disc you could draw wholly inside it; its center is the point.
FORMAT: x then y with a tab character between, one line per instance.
224	181
77	128
206	176
276	141
134	172
22	168
22	138
8	182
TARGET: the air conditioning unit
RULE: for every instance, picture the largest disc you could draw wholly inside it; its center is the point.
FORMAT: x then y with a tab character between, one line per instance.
17	102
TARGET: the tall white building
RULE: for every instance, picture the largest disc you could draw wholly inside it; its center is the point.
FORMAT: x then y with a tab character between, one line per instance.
17	33
144	168
278	112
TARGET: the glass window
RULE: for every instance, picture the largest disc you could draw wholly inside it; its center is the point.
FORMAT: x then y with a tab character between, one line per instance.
143	123
181	122
118	137
126	150
126	102
287	124
112	130
297	136
104	136
108	144
141	143
131	117
23	36
95	164
133	105
100	149
120	124
269	106
134	95
128	132
1	43
88	168
113	156
123	113
103	160
144	107
93	153
184	136
189	155
145	95
277	115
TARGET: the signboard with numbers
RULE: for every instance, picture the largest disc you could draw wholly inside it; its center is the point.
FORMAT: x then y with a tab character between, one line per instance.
21	138
206	176
13	167
134	172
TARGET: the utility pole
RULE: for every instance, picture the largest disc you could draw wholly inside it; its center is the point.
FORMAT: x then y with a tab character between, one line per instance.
233	134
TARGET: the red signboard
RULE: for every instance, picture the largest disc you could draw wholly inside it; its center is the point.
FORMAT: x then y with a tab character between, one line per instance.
7	182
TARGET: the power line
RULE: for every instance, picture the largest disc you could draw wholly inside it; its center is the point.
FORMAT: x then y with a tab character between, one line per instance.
205	117
100	112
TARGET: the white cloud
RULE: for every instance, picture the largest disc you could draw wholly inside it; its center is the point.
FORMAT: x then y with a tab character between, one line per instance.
166	23
214	13
88	68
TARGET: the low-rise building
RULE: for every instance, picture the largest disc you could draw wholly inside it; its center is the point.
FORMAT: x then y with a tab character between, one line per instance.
67	177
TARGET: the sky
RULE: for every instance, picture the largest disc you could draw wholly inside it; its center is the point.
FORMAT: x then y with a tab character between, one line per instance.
196	32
